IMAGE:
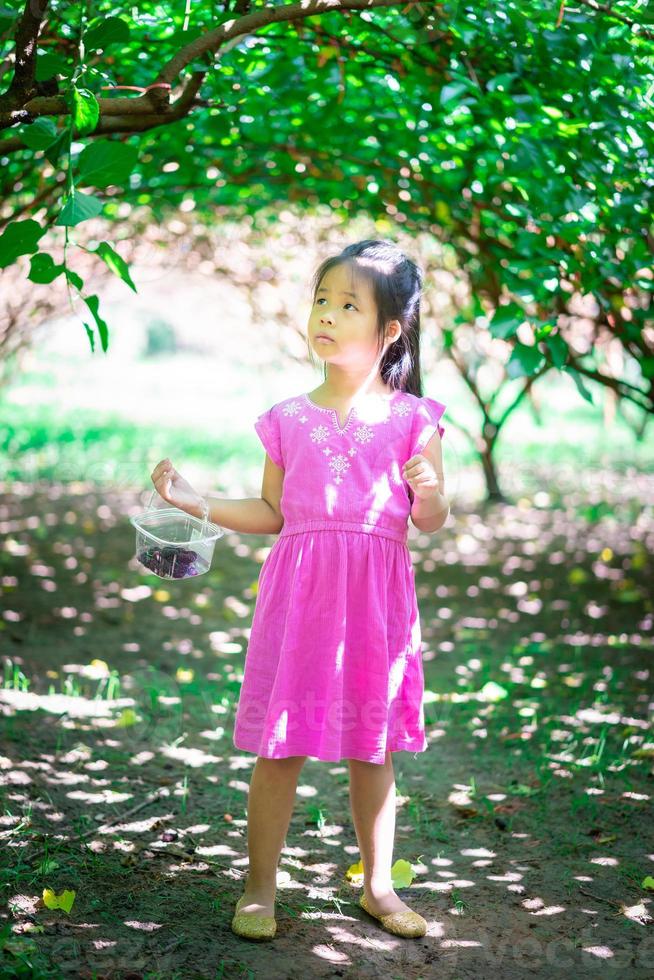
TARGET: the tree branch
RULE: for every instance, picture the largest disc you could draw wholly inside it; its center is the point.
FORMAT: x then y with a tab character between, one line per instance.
156	100
622	388
27	32
213	40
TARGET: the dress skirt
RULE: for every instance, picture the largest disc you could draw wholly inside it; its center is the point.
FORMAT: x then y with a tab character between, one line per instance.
333	668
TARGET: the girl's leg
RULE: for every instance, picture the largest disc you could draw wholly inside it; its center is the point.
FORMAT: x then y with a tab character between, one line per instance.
372	797
270	804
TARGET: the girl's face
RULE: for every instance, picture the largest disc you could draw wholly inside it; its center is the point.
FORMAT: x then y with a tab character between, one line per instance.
344	312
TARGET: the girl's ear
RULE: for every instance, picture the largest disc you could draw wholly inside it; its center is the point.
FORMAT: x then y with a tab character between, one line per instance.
393	330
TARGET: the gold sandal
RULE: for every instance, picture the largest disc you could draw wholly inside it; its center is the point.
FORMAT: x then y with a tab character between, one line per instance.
252	926
408	924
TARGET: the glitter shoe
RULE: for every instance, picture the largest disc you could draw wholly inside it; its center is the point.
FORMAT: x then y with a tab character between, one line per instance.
408	924
252	926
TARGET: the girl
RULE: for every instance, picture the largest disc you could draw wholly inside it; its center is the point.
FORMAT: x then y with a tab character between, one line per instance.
333	668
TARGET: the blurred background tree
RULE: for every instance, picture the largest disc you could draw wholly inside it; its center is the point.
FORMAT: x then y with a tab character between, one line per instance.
508	147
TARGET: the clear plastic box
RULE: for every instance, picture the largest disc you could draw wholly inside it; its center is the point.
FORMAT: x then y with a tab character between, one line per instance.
172	544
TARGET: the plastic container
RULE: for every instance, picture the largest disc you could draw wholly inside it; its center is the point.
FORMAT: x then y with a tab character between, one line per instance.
173	544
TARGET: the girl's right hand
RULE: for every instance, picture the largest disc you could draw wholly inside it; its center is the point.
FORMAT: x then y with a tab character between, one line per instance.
173	488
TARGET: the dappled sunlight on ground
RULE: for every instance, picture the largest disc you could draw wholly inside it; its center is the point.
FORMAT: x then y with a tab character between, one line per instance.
524	822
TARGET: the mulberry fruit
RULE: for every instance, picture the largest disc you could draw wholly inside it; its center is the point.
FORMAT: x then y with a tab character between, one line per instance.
172	562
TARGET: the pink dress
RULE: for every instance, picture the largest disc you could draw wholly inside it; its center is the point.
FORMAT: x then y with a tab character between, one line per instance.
333	668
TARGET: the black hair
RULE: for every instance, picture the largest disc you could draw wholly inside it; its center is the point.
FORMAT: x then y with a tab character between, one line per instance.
396	283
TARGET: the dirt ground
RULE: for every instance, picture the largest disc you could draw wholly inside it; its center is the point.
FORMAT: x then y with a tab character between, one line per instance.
528	821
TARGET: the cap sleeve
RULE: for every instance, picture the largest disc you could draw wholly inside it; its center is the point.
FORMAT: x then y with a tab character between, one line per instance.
426	423
267	428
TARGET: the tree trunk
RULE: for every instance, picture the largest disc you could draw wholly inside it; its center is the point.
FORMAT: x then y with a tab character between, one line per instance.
494	493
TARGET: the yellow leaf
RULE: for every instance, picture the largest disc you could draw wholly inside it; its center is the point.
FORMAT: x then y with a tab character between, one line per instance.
63	901
402	874
184	675
354	871
161	595
127	718
645	752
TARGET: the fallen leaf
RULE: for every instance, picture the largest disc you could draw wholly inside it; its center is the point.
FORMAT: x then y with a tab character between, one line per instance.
402	874
62	901
127	718
355	871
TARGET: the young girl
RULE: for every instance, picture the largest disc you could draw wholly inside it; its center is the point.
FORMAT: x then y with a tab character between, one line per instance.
333	668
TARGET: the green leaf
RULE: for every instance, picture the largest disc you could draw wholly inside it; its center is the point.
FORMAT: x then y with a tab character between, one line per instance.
503	81
47	866
402	874
73	278
40	134
506	320
581	387
49	64
89	334
85	110
19	238
78	208
63	901
106	162
559	349
524	361
106	31
54	150
43	268
7	18
115	262
452	92
93	302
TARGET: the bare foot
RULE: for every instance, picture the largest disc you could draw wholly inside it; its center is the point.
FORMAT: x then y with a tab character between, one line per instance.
384	902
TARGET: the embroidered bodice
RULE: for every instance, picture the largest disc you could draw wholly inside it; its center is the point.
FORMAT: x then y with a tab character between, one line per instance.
350	473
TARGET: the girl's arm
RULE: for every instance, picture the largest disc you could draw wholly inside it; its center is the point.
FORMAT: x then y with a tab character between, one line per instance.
430	507
253	515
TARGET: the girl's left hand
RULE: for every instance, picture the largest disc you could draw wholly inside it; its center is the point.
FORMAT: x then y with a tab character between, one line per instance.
421	477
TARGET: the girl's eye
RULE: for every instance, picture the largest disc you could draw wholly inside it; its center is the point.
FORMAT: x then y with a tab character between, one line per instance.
347	304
